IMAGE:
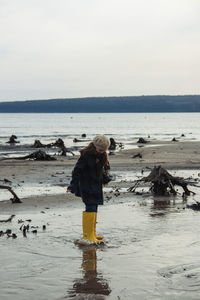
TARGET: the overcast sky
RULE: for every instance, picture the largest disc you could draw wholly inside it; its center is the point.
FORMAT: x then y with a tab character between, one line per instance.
80	48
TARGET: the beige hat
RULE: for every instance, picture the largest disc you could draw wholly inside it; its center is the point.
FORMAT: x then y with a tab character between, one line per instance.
101	142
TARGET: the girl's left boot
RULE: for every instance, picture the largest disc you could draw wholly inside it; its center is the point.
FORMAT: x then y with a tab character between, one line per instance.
99	237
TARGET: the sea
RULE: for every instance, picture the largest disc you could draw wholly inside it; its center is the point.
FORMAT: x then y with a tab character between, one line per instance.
125	128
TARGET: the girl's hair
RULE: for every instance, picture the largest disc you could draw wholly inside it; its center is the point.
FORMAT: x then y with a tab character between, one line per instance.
103	157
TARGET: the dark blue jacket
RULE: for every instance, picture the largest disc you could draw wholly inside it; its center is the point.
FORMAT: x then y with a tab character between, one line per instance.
88	179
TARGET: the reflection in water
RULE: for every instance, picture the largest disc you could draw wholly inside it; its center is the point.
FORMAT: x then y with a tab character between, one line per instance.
161	206
92	282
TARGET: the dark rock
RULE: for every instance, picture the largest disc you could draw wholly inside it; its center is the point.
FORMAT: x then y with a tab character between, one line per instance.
142	141
137	155
194	206
8	231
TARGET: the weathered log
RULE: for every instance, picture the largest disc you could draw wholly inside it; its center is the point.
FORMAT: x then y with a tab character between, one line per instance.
16	198
137	155
162	183
75	140
59	143
38	155
8	220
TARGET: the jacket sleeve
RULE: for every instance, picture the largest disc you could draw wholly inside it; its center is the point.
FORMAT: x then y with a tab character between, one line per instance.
76	173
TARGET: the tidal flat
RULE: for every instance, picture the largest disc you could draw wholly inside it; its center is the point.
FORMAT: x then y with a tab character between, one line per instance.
151	248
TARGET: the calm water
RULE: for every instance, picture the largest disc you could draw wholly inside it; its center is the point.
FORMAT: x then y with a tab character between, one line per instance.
122	127
151	253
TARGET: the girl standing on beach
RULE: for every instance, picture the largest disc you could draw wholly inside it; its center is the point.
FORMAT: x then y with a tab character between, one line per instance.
88	177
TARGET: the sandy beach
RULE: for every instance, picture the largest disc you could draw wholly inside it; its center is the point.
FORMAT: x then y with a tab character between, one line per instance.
151	248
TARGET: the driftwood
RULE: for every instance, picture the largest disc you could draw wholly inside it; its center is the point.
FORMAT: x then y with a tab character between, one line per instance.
137	155
8	220
38	144
38	155
162	183
75	140
59	143
16	198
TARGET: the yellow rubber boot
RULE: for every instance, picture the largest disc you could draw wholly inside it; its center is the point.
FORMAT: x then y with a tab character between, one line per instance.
89	224
99	237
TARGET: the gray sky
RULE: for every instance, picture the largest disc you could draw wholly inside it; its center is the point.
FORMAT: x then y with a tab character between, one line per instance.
79	48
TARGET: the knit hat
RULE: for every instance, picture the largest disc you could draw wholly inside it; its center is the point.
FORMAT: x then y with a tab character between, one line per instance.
101	142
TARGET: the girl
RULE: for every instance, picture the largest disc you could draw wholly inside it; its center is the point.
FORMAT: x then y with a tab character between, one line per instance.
88	177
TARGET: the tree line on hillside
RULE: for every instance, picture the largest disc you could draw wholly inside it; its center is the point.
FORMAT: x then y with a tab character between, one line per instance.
187	103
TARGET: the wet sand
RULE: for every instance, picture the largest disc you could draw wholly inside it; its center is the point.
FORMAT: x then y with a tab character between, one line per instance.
152	244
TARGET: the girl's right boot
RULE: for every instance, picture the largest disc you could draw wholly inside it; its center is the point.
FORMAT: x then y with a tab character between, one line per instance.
89	227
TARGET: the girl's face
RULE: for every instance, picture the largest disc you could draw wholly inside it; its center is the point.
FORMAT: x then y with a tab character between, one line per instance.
99	150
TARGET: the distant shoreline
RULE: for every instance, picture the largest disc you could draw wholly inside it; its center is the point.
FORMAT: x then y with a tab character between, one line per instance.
107	112
135	104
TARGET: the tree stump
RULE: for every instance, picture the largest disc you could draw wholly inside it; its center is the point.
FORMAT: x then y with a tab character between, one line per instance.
12	140
162	183
38	144
142	141
113	144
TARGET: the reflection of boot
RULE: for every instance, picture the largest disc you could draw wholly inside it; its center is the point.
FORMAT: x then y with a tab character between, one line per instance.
89	263
89	225
99	237
93	282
